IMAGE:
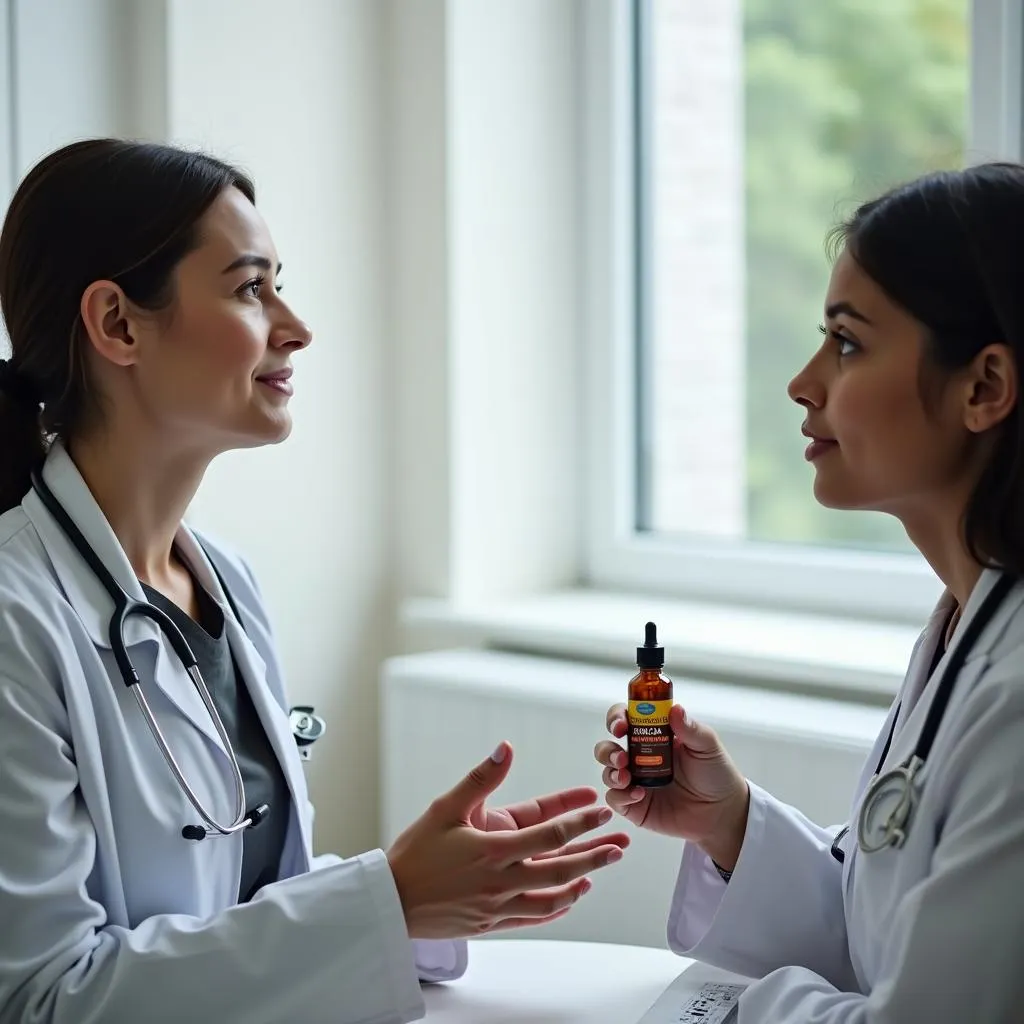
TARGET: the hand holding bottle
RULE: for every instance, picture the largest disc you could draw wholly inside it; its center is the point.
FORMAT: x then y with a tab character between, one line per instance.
707	800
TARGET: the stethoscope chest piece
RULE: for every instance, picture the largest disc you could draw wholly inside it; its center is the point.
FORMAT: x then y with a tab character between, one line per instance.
307	728
888	804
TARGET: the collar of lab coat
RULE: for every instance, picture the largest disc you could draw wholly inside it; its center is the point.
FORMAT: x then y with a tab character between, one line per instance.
934	633
95	607
986	581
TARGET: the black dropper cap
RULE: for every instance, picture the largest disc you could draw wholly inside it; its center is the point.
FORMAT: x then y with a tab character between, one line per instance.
651	655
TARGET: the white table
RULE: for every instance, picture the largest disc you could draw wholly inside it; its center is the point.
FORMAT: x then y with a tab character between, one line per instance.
535	981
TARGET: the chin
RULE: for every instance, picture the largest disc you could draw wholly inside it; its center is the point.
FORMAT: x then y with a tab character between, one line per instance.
269	432
842	499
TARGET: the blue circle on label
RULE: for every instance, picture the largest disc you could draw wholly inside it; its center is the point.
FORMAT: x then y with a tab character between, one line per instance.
646	709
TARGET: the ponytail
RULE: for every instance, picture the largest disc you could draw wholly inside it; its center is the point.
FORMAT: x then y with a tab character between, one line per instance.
22	443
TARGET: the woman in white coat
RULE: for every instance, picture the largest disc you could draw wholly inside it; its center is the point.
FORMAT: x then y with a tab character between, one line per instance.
913	408
137	283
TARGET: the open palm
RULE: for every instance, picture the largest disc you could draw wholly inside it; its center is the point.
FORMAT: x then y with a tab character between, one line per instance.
541	809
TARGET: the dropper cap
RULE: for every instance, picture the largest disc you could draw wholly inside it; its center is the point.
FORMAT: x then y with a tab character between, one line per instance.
652	654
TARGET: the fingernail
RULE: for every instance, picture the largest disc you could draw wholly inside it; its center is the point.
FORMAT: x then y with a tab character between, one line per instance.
604	815
499	753
613	856
585	887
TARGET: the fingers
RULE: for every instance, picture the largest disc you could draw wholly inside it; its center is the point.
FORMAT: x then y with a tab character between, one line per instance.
611	754
527	922
554	872
471	791
701	739
616	778
631	803
550	835
676	722
619	839
615	720
531	908
544	808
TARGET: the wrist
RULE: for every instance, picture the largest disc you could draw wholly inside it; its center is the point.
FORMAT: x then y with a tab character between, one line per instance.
400	888
724	846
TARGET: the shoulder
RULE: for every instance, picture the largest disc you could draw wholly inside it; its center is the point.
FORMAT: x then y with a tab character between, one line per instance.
1008	642
42	641
990	713
28	582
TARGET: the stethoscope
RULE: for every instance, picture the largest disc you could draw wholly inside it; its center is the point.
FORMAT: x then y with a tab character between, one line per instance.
889	800
307	727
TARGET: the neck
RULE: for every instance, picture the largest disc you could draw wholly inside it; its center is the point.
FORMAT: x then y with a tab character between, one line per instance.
143	489
940	539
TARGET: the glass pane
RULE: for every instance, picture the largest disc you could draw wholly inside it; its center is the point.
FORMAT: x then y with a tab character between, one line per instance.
762	123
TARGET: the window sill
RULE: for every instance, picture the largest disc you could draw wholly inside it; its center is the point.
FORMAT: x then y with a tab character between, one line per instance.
824	655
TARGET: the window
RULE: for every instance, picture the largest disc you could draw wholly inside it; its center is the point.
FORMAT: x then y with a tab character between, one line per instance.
737	134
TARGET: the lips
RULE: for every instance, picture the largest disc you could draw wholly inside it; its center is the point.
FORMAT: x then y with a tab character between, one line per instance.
279	381
819	445
278	375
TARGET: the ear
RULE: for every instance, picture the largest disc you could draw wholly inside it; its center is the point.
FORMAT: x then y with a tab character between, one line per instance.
110	323
992	388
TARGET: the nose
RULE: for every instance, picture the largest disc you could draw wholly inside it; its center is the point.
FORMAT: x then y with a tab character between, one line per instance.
807	389
290	332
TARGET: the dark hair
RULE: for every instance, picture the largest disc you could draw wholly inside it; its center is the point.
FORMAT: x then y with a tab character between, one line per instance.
102	209
947	249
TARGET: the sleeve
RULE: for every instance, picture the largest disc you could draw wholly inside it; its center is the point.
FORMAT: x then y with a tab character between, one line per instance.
956	948
436	959
783	904
325	945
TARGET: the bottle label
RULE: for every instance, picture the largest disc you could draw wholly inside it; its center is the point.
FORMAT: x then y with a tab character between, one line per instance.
650	739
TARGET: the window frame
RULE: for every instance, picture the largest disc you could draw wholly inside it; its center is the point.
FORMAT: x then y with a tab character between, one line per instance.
8	152
864	584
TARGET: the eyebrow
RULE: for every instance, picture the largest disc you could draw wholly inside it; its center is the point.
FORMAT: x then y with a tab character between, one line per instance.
251	259
838	308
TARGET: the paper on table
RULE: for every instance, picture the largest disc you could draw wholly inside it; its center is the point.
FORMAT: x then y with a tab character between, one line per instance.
700	995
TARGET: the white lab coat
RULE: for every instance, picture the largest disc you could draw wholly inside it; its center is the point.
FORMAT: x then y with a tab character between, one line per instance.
106	913
932	932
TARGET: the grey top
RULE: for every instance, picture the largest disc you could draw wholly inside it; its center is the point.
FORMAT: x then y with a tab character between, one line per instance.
262	777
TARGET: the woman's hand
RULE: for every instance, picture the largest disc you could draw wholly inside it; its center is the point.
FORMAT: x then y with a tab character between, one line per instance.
462	869
707	800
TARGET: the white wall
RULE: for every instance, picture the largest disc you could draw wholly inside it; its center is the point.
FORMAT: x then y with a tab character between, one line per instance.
80	70
296	101
483	155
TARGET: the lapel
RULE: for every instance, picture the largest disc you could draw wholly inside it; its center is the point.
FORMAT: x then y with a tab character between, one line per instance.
985	640
253	671
144	642
924	652
92	604
918	678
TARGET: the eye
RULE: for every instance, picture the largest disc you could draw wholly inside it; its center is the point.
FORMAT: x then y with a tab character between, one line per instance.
252	287
846	346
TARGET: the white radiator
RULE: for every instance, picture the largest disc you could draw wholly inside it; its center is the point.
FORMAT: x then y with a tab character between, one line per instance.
444	711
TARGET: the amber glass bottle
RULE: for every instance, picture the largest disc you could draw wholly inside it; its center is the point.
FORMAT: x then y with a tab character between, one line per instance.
650	697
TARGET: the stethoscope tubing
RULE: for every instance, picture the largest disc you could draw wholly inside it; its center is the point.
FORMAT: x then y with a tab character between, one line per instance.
124	608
